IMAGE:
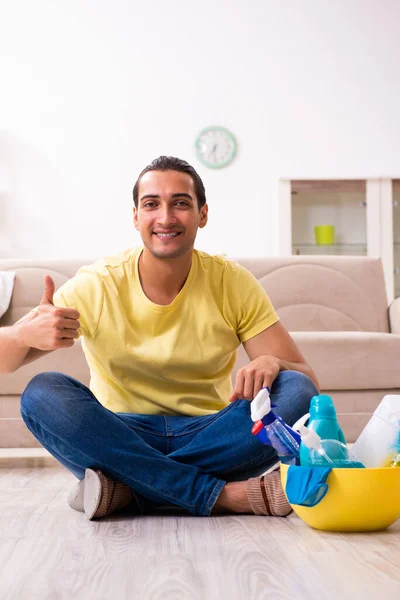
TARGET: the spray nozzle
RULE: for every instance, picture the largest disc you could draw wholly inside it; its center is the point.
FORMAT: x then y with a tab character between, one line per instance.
302	421
260	405
310	438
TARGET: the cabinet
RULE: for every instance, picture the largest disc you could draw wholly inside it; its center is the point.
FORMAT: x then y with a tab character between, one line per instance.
365	214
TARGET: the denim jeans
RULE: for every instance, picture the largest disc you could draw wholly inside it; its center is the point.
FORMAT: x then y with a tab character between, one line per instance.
166	460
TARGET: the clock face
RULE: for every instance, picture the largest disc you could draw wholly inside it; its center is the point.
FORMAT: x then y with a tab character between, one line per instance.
215	147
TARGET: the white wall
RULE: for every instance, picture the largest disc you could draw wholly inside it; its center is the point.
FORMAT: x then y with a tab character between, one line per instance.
92	91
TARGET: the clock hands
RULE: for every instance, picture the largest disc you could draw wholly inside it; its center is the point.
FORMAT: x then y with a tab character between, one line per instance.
213	151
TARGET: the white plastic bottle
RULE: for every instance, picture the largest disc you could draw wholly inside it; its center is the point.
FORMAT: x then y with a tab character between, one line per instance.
377	444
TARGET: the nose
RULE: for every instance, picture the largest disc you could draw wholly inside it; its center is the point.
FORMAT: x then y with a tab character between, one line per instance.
166	216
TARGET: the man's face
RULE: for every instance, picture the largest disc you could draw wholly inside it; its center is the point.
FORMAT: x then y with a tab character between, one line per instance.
167	215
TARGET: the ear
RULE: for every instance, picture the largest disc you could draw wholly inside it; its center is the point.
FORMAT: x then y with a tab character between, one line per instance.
136	218
203	218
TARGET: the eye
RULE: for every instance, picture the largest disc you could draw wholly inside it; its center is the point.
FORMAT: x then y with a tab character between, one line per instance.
149	204
182	203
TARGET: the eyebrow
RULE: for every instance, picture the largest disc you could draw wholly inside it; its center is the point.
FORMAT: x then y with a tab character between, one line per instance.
155	196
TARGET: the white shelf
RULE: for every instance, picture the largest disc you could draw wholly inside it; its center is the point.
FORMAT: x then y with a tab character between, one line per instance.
366	209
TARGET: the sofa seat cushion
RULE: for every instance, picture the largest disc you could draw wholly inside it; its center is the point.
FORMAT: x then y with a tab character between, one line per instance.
70	361
352	360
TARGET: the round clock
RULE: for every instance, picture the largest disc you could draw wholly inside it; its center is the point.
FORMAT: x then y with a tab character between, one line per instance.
215	147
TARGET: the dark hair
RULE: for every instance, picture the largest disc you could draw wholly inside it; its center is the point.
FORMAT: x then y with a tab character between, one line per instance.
170	163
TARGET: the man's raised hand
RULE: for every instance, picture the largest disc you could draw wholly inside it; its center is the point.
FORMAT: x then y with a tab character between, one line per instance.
49	327
49	289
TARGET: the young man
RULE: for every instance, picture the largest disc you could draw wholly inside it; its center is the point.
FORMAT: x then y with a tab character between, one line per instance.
160	326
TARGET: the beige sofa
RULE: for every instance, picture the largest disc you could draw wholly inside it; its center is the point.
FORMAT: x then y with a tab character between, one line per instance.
335	308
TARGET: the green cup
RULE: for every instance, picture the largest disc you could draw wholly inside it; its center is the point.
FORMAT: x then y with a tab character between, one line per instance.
324	234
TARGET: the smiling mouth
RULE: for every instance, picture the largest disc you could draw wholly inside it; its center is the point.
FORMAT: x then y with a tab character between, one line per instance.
167	236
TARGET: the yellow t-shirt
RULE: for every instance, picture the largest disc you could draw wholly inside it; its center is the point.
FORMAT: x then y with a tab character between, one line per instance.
146	358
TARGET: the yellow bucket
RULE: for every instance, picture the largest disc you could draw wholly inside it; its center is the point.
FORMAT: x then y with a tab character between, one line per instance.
324	234
357	500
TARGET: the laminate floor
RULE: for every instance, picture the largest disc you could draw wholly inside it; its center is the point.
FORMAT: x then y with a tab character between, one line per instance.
50	552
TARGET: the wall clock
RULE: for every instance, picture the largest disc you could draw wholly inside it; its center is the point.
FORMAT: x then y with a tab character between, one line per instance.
215	147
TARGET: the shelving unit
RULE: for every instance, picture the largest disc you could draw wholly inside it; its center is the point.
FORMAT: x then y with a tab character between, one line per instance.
365	214
330	249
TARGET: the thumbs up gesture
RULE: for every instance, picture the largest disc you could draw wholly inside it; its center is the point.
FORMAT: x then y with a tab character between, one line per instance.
49	289
49	327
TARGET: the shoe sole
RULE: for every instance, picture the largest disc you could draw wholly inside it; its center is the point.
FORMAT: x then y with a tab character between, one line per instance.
92	494
75	497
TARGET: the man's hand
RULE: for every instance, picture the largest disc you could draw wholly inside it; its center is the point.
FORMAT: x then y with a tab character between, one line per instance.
260	372
49	327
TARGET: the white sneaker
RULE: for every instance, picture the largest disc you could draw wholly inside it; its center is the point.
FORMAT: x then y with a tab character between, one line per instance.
98	495
75	497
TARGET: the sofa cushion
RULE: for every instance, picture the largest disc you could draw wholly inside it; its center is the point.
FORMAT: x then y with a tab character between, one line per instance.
352	360
325	293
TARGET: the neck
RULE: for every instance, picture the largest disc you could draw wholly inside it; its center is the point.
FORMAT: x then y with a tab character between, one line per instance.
162	279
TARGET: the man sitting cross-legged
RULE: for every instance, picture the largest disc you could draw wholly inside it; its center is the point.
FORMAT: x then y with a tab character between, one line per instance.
161	424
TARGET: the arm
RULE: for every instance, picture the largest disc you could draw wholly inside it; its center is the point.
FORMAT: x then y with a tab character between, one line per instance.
271	351
38	333
12	351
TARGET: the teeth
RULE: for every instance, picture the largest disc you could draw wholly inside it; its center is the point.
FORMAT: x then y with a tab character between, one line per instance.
166	235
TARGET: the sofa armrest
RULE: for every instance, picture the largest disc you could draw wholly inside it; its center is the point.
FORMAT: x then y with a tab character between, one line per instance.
394	316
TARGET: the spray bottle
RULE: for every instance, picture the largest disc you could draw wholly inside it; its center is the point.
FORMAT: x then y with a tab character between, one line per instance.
271	429
327	453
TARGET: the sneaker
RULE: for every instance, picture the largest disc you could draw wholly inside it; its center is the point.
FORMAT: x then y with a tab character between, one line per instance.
97	495
75	497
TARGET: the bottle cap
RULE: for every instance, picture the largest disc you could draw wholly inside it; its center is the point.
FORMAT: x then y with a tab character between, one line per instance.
322	407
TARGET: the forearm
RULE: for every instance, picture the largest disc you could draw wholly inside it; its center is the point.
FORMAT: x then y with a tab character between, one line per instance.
285	365
12	350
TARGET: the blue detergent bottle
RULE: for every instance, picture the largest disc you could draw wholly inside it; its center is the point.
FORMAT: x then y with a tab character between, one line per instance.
324	422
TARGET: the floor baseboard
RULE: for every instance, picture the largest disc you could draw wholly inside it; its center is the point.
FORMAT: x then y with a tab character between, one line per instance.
26	457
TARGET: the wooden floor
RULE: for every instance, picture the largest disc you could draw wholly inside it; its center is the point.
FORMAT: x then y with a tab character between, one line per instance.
50	552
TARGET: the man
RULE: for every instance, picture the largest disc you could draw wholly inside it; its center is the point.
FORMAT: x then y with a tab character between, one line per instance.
161	424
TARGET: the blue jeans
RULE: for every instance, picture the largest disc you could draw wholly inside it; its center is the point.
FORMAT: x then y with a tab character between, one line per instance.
166	460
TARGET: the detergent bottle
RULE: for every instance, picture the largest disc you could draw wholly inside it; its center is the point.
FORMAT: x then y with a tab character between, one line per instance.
271	429
324	422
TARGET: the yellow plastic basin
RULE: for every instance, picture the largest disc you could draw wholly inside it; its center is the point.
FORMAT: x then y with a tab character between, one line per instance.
357	500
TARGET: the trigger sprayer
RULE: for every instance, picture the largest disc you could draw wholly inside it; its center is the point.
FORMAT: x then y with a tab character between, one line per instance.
272	430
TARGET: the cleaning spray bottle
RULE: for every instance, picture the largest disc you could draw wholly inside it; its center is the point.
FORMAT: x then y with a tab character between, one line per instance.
327	453
271	429
323	421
